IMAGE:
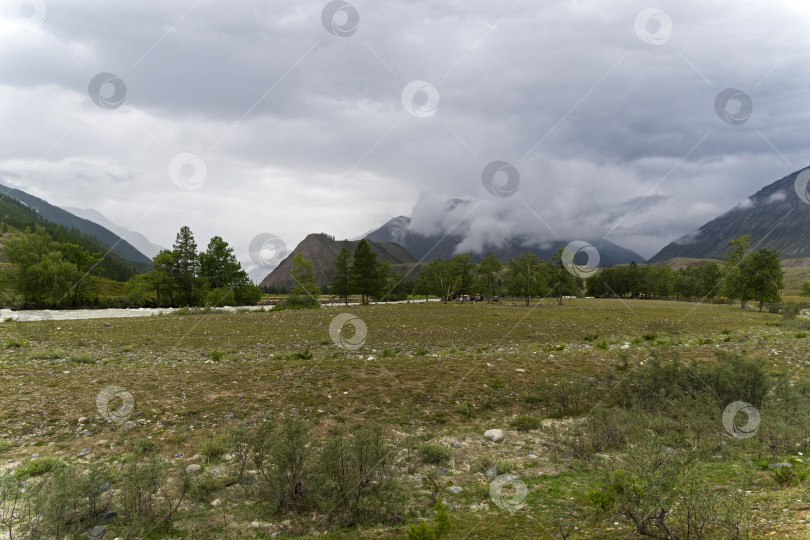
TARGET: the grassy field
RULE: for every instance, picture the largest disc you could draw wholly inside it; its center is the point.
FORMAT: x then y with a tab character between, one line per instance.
435	377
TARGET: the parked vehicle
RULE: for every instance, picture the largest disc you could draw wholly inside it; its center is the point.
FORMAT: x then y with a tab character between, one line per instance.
495	298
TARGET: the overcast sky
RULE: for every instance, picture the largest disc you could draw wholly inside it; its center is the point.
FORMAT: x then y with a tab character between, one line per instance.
243	118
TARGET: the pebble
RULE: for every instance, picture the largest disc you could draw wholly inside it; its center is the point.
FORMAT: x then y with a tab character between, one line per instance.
455	489
83	452
193	468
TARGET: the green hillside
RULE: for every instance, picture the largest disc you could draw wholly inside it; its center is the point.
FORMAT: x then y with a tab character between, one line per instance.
16	217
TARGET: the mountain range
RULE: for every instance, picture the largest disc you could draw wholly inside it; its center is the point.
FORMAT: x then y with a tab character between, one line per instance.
139	241
428	247
54	214
775	217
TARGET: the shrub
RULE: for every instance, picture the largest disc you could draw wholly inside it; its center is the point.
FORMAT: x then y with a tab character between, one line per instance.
14	343
214	447
216	355
36	467
465	408
359	476
144	447
295	301
139	484
525	423
282	456
591	337
222	296
434	530
435	454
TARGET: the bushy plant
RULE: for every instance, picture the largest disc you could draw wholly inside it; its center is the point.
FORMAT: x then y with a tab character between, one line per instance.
358	475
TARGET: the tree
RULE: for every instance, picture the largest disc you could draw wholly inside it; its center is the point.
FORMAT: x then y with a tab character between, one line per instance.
42	274
441	278
488	274
186	263
164	266
525	276
733	281
365	271
710	279
137	289
806	288
303	273
341	284
763	276
561	281
218	264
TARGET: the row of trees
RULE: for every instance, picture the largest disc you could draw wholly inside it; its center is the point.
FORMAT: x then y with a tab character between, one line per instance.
747	275
656	282
183	277
526	276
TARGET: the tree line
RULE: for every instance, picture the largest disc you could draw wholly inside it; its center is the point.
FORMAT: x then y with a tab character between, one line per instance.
747	275
526	276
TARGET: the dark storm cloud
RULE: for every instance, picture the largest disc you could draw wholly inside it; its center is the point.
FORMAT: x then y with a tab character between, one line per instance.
301	130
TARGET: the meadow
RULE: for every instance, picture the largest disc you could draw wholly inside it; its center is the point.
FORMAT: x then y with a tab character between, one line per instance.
581	391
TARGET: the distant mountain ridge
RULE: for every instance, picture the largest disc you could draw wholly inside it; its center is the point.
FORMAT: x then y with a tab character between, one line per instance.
56	215
62	217
138	241
323	250
429	247
775	217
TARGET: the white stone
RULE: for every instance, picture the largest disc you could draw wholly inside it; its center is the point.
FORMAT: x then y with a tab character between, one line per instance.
495	435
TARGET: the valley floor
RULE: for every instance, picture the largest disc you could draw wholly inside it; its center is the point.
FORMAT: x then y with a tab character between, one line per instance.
434	376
